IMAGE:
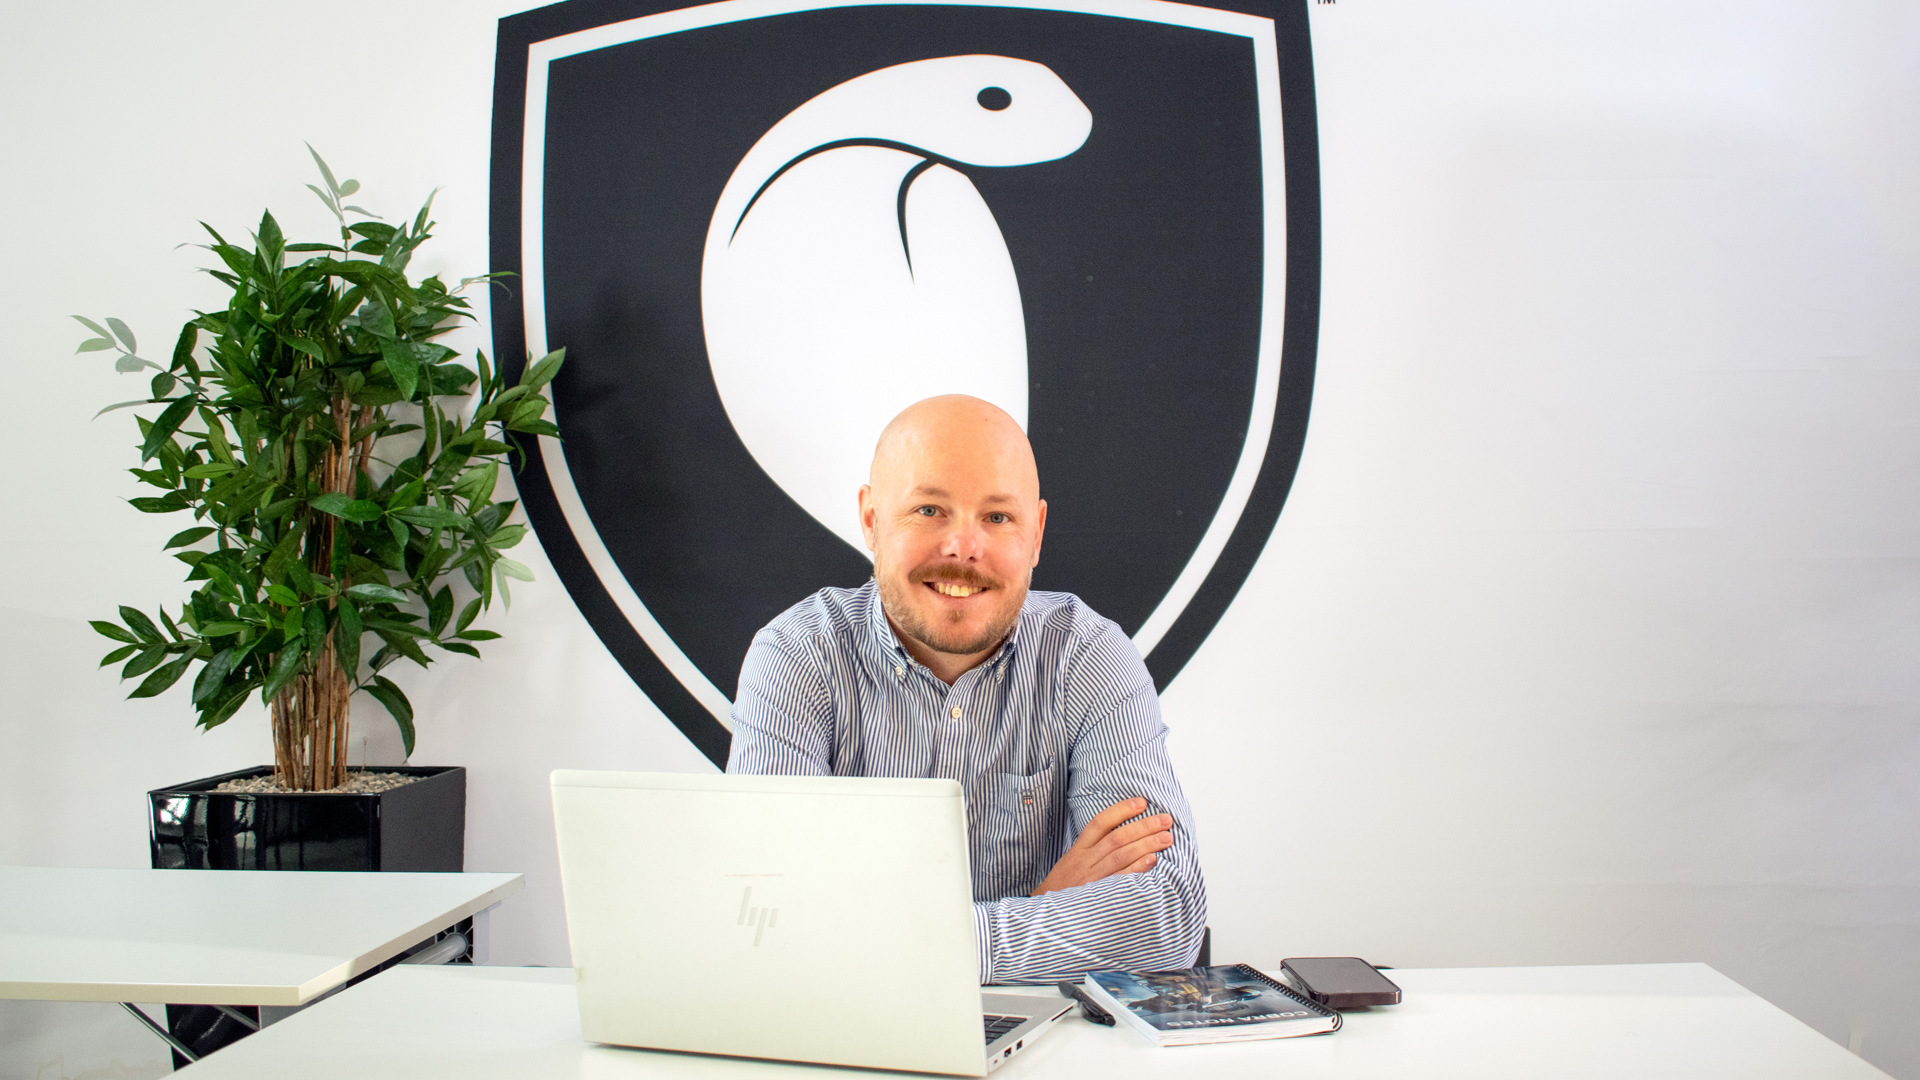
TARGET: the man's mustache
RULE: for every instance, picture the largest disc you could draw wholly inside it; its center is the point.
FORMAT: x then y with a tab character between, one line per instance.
954	575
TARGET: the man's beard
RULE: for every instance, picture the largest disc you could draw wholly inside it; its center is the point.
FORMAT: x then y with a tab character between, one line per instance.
943	639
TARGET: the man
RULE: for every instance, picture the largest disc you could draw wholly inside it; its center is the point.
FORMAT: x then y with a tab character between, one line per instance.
946	665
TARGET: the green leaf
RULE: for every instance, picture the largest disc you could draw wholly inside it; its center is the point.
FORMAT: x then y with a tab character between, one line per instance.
315	629
332	184
164	427
190	536
183	347
386	693
283	596
210	469
163	678
310	348
439	610
341	506
119	654
95	327
125	335
405	645
215	715
301	579
122	405
138	622
271	240
349	187
95	345
214	674
434	517
527	412
477	635
514	570
542	372
459	647
467	615
111	630
165	504
476	484
285	666
346	638
325	198
222	629
163	384
128	364
148	659
371	593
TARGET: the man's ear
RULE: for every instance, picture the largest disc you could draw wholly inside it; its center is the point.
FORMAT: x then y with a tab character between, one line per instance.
867	511
1039	533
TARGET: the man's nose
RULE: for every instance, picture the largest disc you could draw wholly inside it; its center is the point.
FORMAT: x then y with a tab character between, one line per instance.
964	540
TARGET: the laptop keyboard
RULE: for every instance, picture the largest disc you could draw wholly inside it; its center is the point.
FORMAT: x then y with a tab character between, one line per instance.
1000	1025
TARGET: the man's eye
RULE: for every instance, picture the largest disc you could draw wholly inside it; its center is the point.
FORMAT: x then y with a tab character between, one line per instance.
998	519
925	511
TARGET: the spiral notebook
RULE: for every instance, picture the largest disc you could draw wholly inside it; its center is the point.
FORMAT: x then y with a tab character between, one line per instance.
1224	1003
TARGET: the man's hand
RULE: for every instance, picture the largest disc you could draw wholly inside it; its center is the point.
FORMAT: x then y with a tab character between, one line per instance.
1110	845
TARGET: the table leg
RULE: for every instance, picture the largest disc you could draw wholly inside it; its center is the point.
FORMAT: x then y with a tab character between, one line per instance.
239	1017
178	1046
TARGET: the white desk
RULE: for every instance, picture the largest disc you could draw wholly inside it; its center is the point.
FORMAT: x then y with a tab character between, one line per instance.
1639	1021
217	937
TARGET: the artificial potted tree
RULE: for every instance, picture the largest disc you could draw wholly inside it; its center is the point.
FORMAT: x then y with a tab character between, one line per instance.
343	520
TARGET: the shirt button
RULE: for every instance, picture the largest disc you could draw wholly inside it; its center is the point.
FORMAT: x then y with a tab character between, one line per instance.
955	712
899	671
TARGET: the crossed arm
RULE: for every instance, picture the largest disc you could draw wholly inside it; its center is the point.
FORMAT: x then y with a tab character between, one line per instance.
1121	839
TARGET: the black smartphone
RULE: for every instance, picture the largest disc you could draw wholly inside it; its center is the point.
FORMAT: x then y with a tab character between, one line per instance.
1340	982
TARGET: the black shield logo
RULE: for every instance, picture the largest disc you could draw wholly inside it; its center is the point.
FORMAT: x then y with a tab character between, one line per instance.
760	227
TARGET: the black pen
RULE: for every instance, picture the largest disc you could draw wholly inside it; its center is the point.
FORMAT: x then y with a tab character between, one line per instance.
1088	1008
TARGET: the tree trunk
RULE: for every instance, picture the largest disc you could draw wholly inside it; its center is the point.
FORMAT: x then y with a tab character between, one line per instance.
310	726
310	712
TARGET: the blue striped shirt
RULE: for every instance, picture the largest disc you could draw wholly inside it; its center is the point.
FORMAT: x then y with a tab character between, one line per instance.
1059	724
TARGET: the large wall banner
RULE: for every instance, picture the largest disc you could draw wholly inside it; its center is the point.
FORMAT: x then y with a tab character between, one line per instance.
760	228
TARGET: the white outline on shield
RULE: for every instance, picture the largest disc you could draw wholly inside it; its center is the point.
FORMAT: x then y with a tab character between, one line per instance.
1273	291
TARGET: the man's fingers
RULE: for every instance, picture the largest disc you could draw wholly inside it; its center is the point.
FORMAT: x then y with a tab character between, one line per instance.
1107	820
1132	833
1146	826
1145	864
1118	860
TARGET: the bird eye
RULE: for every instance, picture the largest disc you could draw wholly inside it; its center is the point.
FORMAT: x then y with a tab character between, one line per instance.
994	99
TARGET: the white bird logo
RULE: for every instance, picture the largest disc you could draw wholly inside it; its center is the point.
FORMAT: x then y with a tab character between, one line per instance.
849	271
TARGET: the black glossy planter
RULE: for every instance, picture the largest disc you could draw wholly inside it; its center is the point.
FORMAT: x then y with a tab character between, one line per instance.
420	826
415	827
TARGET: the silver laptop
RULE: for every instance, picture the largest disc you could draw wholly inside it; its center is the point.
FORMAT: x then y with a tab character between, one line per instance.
817	919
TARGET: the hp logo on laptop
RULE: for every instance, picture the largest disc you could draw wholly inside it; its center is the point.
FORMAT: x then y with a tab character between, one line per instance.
760	918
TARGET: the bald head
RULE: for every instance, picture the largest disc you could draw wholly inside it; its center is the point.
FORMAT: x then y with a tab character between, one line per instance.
953	515
956	425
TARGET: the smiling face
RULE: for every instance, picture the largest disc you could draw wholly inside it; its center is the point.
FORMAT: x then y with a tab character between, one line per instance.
953	516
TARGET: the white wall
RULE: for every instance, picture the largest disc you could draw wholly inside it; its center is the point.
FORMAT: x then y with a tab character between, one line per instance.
1583	639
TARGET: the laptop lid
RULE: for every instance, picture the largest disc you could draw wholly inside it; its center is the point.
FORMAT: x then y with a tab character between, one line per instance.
763	916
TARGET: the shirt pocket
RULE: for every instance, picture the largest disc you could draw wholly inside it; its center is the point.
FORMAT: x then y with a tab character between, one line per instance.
1024	808
1019	794
1019	841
